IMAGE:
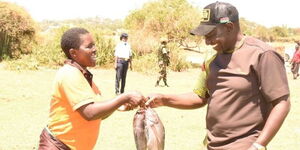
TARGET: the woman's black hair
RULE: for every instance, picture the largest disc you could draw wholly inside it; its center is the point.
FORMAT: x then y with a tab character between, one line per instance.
71	39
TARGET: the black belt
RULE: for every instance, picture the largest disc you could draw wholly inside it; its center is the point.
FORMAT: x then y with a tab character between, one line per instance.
125	59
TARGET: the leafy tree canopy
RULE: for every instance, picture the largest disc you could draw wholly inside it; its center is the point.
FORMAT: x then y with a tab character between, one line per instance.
17	30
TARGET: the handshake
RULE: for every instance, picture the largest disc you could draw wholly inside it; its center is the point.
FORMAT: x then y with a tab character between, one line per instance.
132	100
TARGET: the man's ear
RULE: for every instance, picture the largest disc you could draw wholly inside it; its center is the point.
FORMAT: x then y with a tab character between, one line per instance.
73	53
229	27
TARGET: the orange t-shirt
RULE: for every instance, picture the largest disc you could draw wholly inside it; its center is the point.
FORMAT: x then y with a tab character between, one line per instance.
71	91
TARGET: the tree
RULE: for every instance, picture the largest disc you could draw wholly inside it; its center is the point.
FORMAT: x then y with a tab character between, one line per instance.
17	30
169	18
281	31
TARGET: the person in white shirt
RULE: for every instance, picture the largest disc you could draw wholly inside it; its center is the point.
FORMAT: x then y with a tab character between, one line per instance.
122	60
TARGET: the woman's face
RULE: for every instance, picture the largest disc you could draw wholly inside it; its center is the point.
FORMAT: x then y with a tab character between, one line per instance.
85	56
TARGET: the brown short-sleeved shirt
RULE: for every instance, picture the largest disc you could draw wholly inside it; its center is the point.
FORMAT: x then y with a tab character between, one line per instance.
241	87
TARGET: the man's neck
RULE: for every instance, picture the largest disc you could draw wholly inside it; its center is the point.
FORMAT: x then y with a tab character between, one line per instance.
237	44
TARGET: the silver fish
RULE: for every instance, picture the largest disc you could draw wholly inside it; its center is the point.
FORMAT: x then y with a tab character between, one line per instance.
149	132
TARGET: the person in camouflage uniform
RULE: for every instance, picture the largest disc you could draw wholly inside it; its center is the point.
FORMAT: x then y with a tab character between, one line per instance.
163	61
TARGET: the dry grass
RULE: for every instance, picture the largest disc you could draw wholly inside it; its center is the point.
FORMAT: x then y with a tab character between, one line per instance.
24	106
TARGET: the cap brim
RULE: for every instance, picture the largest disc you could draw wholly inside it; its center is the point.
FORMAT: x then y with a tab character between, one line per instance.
202	29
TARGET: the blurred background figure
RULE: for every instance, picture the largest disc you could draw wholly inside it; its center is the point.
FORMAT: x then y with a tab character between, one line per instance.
295	62
122	60
163	61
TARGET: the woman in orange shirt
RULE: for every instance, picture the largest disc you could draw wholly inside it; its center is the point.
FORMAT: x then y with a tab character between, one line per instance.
75	107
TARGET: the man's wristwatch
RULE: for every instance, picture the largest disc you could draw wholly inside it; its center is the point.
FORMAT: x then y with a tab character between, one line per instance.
258	146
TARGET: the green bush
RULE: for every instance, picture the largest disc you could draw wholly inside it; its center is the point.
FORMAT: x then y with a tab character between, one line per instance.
166	18
105	50
17	31
177	58
47	51
145	63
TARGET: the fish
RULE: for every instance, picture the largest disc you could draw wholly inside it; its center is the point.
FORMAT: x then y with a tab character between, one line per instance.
149	132
139	130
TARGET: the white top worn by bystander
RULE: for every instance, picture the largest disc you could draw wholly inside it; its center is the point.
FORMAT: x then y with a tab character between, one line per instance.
123	50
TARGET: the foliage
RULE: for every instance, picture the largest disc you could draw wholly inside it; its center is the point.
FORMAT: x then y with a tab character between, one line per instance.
172	19
150	59
281	31
105	49
178	60
143	42
17	31
166	18
277	33
253	29
47	51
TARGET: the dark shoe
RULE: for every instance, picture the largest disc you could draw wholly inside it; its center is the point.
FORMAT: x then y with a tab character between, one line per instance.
166	84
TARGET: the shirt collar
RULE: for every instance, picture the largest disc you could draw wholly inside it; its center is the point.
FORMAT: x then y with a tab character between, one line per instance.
88	75
237	46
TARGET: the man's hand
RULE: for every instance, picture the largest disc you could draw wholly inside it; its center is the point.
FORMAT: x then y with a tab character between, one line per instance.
154	100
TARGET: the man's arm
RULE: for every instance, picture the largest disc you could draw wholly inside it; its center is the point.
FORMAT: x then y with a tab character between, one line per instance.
180	101
281	108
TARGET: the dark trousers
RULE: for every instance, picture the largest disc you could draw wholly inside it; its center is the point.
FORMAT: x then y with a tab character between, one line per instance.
162	74
295	69
121	72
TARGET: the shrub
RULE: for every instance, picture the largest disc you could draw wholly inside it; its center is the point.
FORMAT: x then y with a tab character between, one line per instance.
166	18
105	49
17	31
146	63
46	52
178	59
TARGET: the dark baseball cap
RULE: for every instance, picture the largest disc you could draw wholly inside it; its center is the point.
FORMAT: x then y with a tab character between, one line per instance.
123	35
213	14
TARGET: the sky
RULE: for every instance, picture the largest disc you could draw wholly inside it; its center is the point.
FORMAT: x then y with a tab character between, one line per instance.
265	12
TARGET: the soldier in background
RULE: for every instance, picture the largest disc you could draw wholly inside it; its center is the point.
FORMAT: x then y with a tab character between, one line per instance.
163	61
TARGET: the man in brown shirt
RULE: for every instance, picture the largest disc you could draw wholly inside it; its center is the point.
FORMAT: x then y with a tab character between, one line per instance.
244	85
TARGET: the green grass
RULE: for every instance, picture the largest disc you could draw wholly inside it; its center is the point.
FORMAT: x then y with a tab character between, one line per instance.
24	106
